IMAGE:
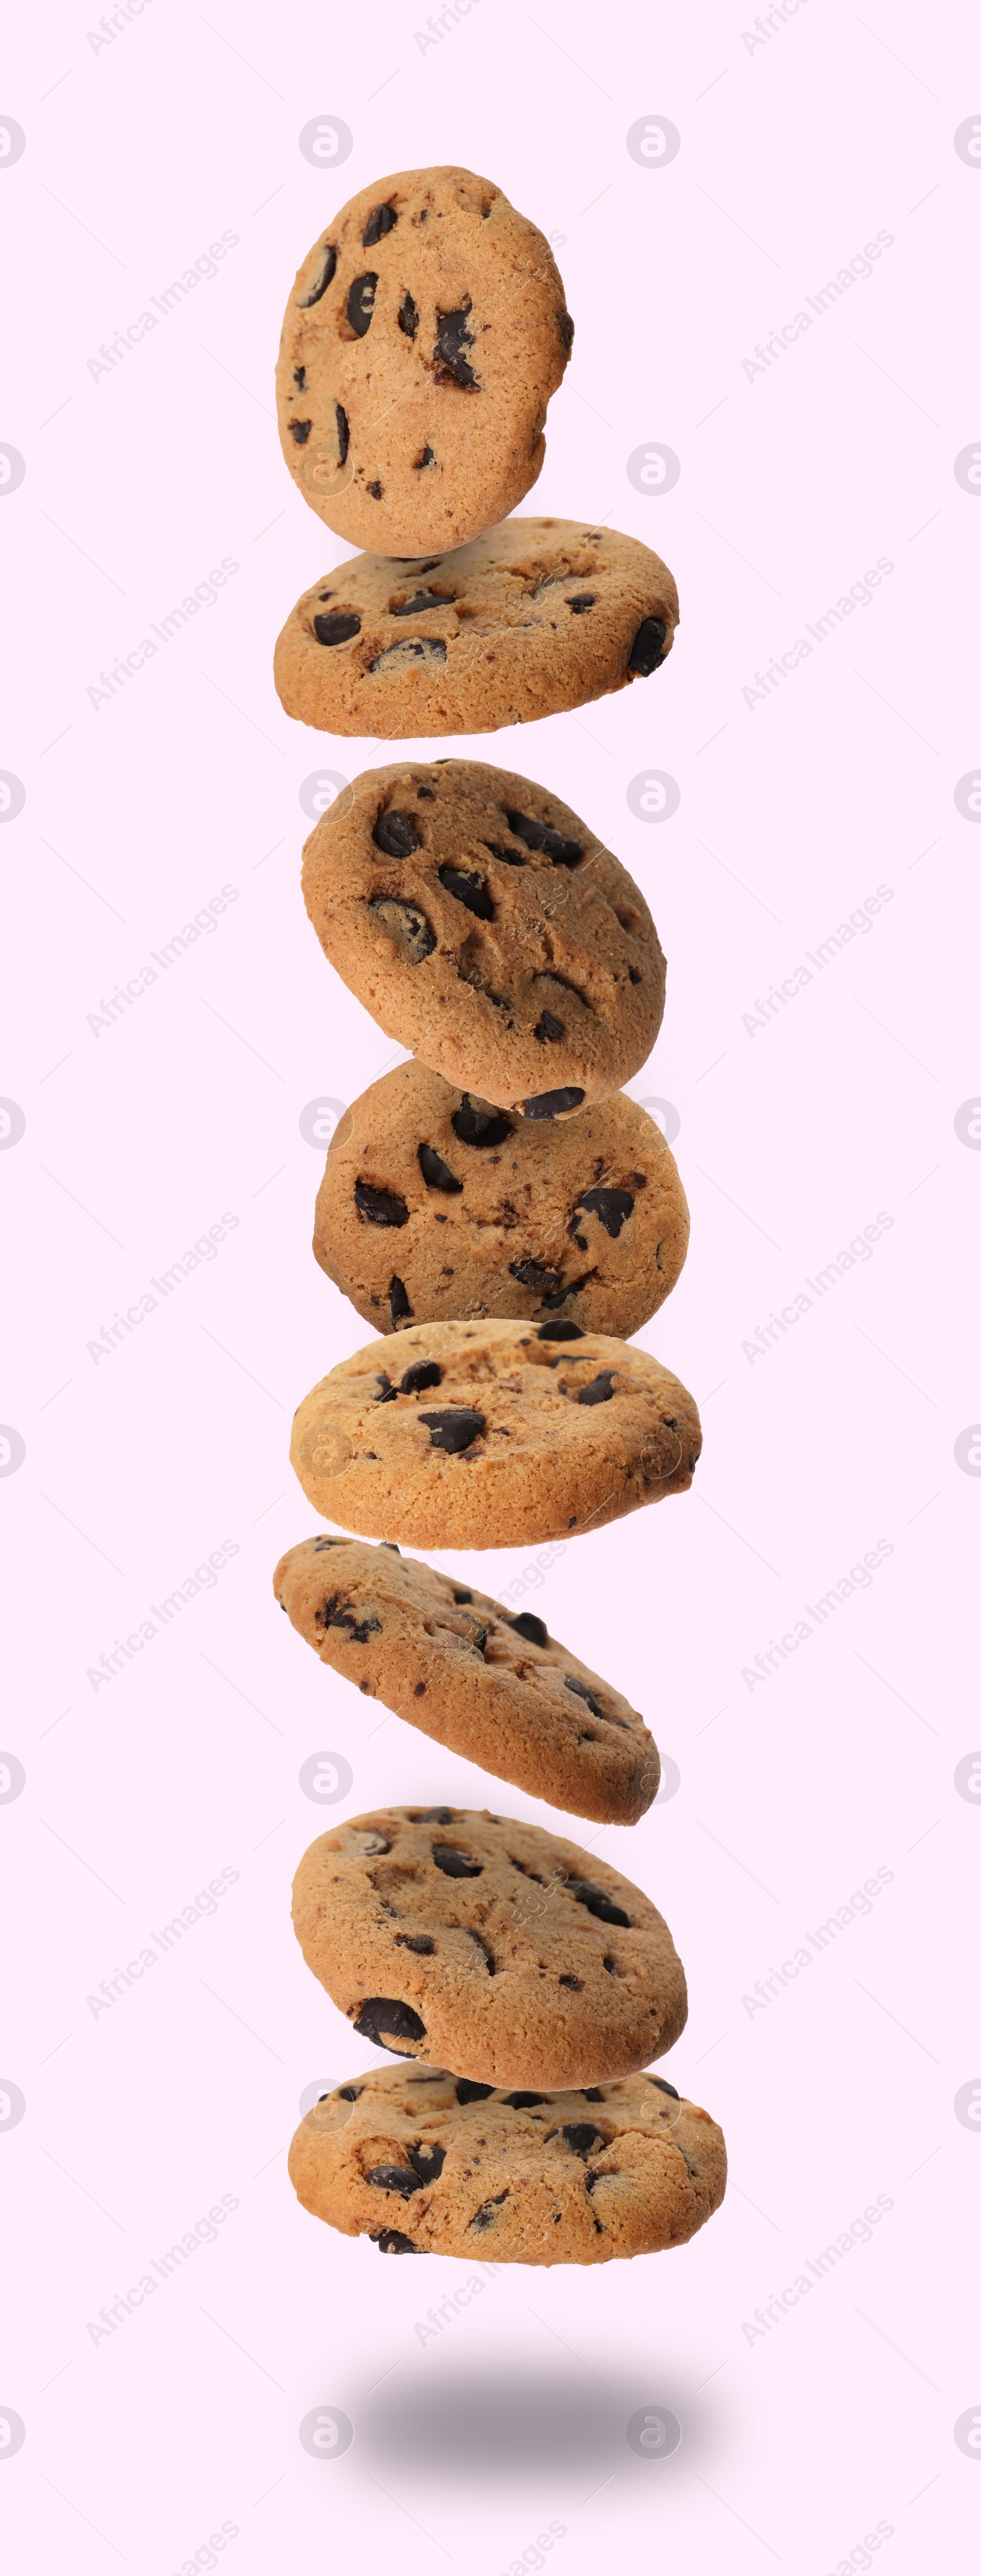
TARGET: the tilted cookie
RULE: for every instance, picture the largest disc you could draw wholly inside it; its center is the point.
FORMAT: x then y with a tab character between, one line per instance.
493	1435
434	1205
426	2164
490	1685
423	338
488	930
492	1948
533	617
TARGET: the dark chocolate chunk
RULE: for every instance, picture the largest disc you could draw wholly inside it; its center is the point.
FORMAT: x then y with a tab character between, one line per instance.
524	2101
462	1596
396	834
584	599
540	836
664	2087
343	432
421	1942
574	1982
376	490
454	1427
511	858
431	793
561	1331
611	1206
384	2019
470	889
553	1104
336	1613
548	1028
490	1962
346	2093
526	1625
572	1286
387	1543
408	316
422	1373
437	1174
300	378
322	282
388	1391
434	1816
381	220
414	607
390	2240
581	2135
583	1691
455	1864
534	1274
566	327
596	1901
300	430
467	2091
484	2216
592	2093
599	1390
480	1127
398	1307
398	2178
427	458
413	934
427	2160
381	1207
337	626
452	338
361	302
647	649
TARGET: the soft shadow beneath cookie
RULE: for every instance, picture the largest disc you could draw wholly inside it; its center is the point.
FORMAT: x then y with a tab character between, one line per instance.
512	2423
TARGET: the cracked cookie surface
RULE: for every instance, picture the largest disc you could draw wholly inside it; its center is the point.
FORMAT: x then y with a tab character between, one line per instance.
487	1946
489	930
424	336
434	1206
424	2165
533	617
493	1435
492	1686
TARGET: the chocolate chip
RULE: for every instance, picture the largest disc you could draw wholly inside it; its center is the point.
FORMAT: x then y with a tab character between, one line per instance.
664	2087
452	337
484	2216
596	1901
422	1373
455	1864
574	1982
647	649
566	327
553	1104
526	1625
599	1390
611	1967
412	648
431	793
382	2014
467	2091
611	1206
561	1331
584	599
381	220
454	1427
361	302
462	1596
534	1274
412	933
419	1941
540	836
300	378
548	1028
337	627
470	889
511	858
396	834
490	1962
300	430
321	284
592	2093
343	432
583	1691
581	2135
381	1207
398	2178
408	317
387	1543
414	607
427	458
391	2241
375	490
346	2092
434	1816
437	1174
427	2160
479	1127
524	2101
336	1613
398	1307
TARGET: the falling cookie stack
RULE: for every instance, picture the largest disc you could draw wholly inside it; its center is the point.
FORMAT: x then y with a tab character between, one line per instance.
507	1217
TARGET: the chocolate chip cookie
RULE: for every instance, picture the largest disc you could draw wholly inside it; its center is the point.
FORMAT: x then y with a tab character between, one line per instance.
434	1205
493	1435
533	617
488	930
426	2164
495	1949
423	338
490	1684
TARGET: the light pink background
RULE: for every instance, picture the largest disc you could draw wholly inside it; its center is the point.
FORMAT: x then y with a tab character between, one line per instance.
792	1139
